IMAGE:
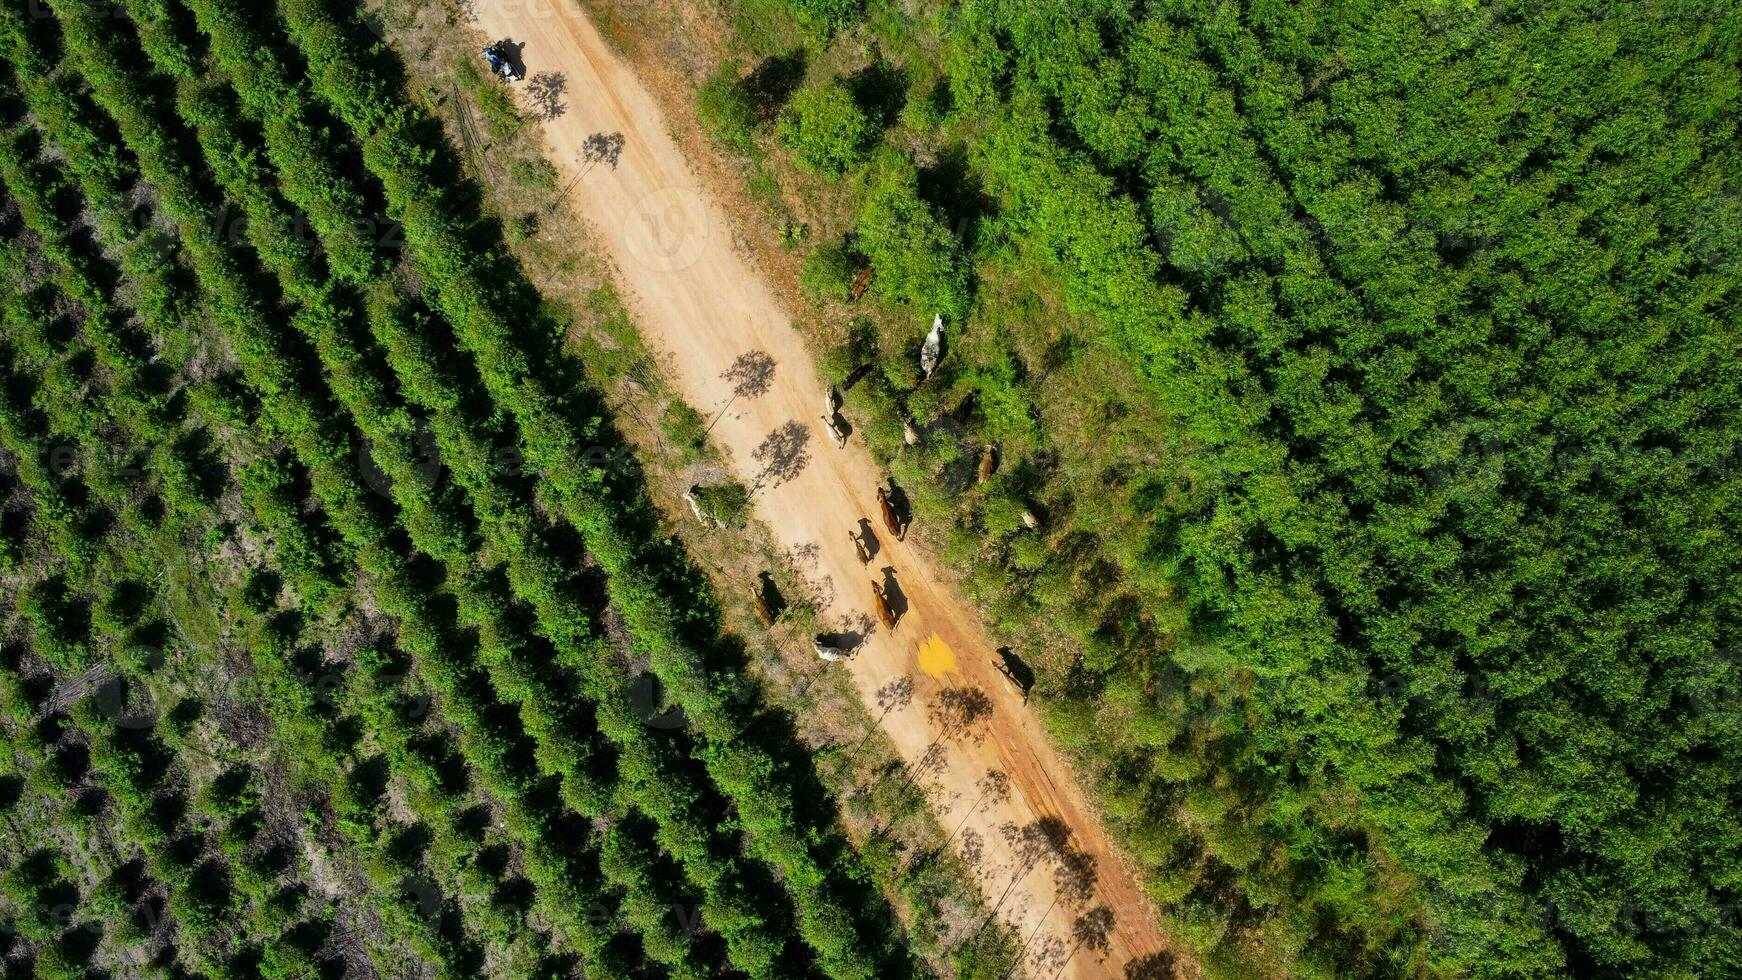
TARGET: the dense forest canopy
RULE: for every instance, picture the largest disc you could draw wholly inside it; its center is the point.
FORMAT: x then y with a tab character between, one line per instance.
1453	316
1443	300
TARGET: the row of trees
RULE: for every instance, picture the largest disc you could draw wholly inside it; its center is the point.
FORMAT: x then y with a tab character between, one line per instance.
433	512
506	524
567	883
1454	546
494	317
302	711
112	498
133	767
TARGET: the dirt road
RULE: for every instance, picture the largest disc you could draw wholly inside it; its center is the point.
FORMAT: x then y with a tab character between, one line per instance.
1043	860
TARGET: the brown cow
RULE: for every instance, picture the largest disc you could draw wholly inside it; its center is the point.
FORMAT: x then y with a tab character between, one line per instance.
760	602
890	521
884	615
859	546
988	463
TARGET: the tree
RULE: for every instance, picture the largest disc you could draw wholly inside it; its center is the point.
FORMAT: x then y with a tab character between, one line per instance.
726	111
976	66
916	258
828	273
826	128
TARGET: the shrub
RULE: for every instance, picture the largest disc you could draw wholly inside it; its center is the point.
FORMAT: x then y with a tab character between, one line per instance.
1000	514
1029	552
880	415
902	370
992	955
725	111
924	405
825	17
976	64
495	102
55	962
828	273
521	227
536	173
922	112
1003	400
726	503
826	128
917	260
838	363
685	427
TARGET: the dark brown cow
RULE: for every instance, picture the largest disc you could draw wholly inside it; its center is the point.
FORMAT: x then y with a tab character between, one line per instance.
890	520
760	602
1018	673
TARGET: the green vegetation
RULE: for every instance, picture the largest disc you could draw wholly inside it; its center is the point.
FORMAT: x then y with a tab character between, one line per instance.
826	128
914	256
828	273
726	503
535	174
686	428
1369	368
726	112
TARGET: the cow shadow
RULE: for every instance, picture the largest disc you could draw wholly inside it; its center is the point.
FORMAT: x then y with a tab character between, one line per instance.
772	600
893	595
868	534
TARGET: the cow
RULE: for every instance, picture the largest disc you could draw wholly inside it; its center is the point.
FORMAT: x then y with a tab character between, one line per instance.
827	650
836	432
695	503
885	615
759	602
932	349
890	520
1018	673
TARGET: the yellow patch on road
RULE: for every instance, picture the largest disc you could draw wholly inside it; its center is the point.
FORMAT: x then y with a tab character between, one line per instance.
936	658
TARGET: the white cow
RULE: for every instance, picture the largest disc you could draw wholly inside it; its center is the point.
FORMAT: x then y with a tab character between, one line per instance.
828	651
838	434
933	350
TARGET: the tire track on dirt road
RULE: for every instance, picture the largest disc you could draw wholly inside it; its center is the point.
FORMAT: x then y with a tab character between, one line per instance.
1044	860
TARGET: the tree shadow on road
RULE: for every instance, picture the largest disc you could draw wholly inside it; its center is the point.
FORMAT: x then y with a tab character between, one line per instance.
545	91
751	374
782	456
